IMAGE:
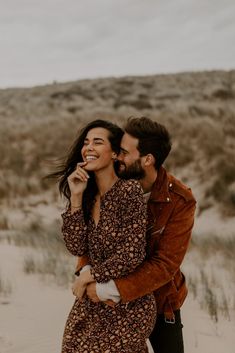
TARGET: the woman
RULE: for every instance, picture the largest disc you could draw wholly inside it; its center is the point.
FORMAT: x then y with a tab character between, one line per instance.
105	220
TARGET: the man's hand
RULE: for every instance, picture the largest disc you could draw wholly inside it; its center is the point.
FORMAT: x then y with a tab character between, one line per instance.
91	292
78	288
80	284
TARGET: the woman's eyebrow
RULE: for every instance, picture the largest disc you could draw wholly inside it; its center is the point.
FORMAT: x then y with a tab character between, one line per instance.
95	139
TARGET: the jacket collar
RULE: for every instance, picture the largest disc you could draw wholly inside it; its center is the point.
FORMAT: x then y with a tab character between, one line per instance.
160	190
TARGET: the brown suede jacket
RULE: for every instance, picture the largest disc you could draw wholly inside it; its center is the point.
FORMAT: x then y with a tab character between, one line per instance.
171	209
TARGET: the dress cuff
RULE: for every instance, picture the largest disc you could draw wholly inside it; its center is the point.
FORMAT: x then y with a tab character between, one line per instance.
69	218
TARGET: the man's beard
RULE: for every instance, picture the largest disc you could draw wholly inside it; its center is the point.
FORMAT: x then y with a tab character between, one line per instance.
134	171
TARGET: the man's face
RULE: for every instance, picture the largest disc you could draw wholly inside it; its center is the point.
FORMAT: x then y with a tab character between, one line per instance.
129	159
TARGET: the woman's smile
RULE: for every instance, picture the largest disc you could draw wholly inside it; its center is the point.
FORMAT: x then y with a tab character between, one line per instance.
90	158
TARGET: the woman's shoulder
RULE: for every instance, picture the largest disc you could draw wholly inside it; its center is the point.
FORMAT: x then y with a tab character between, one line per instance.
130	187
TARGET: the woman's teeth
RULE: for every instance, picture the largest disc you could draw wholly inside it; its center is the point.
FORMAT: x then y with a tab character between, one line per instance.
91	158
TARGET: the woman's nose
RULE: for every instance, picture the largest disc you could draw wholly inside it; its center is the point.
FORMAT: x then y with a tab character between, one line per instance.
90	147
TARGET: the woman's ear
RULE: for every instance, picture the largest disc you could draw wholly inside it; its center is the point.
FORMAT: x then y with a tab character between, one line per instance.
114	155
149	160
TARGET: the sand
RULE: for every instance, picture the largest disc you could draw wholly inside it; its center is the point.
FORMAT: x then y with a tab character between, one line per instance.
32	318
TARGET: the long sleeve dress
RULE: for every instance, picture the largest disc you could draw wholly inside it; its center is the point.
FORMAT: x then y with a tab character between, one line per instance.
115	246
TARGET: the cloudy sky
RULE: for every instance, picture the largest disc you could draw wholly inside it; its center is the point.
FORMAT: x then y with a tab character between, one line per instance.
46	40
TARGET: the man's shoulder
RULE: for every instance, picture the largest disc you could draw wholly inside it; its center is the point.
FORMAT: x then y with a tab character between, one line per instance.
168	189
178	188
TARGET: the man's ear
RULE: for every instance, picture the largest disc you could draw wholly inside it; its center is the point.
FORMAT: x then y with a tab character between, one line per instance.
149	160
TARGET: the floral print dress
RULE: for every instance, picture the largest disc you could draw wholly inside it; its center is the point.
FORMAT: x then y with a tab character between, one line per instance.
115	246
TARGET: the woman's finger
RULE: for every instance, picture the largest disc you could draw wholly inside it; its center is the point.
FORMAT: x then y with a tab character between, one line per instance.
80	167
81	176
81	164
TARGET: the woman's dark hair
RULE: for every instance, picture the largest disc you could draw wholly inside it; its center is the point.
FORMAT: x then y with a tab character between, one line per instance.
74	157
153	138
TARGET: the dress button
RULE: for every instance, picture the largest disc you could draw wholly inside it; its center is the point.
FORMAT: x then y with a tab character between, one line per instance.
167	199
170	185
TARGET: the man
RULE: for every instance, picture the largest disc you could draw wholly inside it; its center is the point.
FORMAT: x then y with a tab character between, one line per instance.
171	207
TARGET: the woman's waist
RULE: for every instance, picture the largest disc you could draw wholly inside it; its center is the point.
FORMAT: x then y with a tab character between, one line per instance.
143	302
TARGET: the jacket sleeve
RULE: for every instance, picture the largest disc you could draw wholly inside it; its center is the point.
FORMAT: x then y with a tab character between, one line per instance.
131	244
166	257
74	232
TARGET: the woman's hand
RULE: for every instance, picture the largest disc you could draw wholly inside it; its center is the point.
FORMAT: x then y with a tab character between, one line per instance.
77	184
78	180
80	284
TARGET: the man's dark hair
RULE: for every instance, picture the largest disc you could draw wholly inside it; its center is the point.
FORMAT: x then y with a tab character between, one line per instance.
153	138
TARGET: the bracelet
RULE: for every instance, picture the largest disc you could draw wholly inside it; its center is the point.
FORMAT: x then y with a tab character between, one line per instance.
76	206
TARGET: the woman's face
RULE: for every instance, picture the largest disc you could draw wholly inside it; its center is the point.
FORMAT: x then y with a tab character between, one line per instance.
96	150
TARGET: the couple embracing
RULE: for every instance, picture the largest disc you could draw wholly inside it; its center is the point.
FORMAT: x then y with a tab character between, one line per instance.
129	221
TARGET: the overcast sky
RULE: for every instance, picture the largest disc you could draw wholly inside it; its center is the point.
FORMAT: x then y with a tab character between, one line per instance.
46	40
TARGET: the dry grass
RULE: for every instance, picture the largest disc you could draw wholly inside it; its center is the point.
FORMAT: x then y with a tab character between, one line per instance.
4	222
5	287
210	272
46	255
197	108
57	267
